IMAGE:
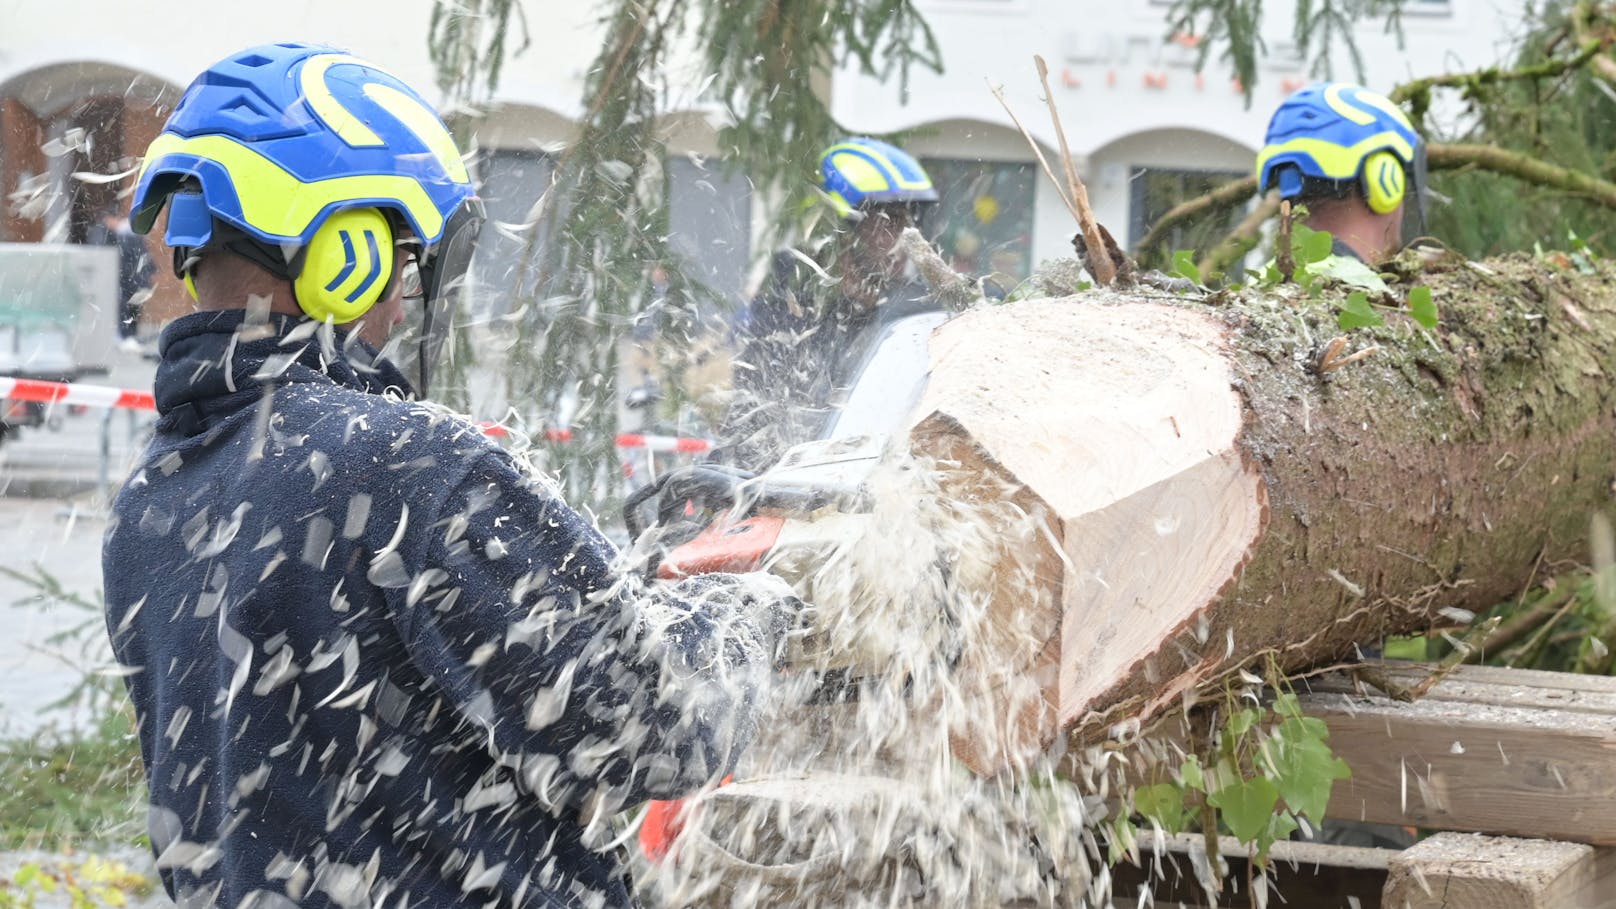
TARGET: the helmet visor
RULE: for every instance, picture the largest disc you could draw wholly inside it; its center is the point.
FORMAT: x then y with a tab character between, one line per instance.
1414	214
434	286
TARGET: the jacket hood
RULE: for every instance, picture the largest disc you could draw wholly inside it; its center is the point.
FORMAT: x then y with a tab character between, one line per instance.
214	362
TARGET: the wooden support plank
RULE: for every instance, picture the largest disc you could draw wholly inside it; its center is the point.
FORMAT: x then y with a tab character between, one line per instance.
1304	874
1491	751
1467	871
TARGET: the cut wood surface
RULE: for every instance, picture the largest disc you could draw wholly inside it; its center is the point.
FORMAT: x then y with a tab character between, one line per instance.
1465	871
1486	750
1214	501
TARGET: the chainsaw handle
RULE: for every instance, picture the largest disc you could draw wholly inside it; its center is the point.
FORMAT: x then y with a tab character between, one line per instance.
702	482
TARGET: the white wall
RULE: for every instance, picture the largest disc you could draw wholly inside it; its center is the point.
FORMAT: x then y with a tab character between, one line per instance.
1100	53
175	41
1126	97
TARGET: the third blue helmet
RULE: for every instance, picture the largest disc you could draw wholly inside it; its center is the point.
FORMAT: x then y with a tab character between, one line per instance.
860	171
1340	134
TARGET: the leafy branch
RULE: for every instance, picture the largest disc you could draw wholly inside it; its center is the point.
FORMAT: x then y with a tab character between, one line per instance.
1321	26
1262	769
584	272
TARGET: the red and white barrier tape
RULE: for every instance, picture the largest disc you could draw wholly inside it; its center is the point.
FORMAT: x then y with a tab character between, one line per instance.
63	393
100	396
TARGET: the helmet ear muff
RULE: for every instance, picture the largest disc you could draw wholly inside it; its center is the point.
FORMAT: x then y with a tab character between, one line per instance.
347	266
1384	182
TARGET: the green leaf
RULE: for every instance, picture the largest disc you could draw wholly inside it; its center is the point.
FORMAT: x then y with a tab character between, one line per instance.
1191	775
1287	704
1580	245
1242	721
1162	803
1123	838
1303	728
1309	246
1351	272
1184	265
1421	307
1357	313
1246	806
1305	769
1280	826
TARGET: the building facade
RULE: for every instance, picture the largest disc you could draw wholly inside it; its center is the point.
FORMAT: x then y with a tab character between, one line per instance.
85	85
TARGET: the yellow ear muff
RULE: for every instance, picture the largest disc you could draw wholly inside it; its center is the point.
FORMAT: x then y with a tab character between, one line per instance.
190	284
1383	182
347	266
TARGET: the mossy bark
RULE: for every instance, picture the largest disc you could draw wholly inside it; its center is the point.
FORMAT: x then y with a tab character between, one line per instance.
1434	473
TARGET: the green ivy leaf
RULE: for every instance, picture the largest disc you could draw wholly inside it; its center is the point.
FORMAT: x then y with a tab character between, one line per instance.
1123	838
1309	246
1351	272
1357	313
1242	721
1162	803
1304	767
1246	806
1421	307
1300	728
1287	704
1280	826
1191	775
1184	265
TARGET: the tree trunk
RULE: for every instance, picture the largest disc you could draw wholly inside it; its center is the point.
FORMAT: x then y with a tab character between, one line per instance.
1218	500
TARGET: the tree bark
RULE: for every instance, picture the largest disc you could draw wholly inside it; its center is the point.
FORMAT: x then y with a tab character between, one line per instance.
1217	501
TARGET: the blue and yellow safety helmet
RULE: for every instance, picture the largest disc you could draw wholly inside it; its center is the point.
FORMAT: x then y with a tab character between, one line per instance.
859	173
1332	137
316	165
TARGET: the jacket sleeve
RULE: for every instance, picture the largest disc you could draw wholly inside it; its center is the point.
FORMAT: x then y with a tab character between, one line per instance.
771	369
587	682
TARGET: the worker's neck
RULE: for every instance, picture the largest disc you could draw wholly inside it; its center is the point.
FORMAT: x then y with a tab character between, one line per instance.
252	303
1370	236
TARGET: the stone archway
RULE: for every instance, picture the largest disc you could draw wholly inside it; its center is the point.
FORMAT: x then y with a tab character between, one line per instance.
65	129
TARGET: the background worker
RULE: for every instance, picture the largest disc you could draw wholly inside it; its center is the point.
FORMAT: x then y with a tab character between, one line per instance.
1352	157
135	268
795	336
373	660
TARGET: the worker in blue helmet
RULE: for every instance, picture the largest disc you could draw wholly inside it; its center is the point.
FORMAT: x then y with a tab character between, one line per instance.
796	334
1352	157
373	660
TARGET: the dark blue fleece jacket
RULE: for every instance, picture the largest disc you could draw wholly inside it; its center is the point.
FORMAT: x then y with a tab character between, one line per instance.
374	662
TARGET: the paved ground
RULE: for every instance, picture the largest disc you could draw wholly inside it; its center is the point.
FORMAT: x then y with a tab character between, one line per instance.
52	514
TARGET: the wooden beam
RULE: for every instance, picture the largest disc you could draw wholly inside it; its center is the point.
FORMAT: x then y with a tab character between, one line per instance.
1303	874
1512	752
1467	871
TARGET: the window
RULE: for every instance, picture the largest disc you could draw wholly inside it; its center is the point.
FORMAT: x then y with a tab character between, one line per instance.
512	181
710	224
1153	191
984	216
